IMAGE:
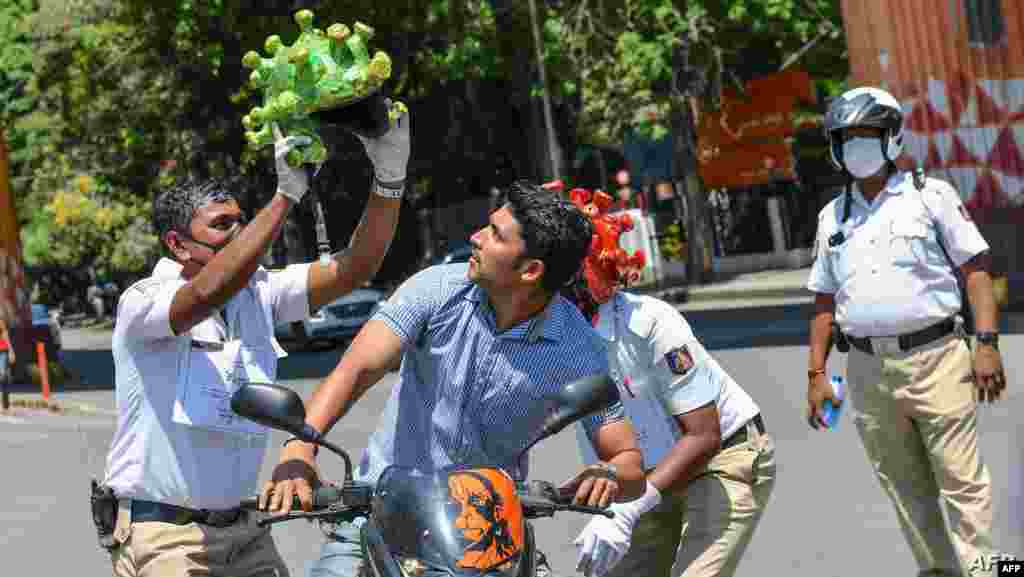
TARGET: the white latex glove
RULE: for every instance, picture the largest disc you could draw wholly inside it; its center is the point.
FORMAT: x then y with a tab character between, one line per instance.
604	542
292	182
389	152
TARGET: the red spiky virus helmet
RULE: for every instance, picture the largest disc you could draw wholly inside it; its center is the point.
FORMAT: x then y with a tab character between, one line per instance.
607	266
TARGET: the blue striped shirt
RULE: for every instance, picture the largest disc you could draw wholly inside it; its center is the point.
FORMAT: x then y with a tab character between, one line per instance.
466	393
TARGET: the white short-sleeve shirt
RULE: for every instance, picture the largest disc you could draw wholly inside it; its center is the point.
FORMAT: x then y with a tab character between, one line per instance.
154	456
663	371
885	264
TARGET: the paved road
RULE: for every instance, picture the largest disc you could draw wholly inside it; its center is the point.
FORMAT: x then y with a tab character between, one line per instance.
827	516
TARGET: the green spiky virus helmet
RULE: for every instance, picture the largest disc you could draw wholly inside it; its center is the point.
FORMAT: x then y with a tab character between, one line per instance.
321	71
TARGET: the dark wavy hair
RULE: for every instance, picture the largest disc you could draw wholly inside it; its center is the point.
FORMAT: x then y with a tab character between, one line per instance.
174	208
554	230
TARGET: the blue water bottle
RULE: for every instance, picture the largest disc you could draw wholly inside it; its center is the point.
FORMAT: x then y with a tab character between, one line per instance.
830	412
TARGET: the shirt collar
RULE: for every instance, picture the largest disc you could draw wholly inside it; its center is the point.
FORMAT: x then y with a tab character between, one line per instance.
893	186
167	269
545	324
607	321
475	293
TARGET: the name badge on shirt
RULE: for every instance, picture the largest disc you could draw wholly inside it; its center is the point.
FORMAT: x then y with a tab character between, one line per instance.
211	376
679	360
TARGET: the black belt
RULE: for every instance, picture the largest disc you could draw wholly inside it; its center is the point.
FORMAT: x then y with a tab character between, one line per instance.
153	512
909	340
740	436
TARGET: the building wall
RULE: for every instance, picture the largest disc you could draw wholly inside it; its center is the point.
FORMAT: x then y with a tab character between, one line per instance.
962	90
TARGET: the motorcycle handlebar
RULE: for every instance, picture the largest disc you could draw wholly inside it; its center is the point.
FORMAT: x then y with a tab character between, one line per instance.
535	507
590	510
357	497
323	497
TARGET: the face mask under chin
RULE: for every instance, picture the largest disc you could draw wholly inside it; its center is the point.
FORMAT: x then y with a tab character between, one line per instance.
863	156
235	230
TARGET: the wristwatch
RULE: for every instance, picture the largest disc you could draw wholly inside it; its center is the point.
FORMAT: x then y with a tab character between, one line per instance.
316	448
392	190
989	338
606	470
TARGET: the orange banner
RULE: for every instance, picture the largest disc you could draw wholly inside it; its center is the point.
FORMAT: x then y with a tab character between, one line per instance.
765	113
743	143
747	165
743	122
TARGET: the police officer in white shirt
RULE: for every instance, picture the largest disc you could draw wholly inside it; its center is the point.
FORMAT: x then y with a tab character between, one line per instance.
710	463
193	332
888	254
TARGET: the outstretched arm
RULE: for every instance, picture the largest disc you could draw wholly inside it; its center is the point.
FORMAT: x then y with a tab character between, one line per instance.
374	352
369	244
230	270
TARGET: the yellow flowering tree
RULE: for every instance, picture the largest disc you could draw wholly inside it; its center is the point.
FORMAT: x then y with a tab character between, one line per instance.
85	224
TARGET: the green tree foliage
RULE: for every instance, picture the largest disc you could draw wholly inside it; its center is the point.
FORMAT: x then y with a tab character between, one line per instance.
619	53
83	224
134	94
137	93
95	114
15	67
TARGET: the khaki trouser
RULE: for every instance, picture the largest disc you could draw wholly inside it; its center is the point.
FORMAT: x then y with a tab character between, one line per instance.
703	531
915	413
166	550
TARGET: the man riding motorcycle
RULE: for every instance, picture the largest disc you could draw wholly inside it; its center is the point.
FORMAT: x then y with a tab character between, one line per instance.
480	345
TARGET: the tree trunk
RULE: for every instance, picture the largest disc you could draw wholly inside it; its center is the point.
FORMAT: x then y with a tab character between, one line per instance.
555	170
684	160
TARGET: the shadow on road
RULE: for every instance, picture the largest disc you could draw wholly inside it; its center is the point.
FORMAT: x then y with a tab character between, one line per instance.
93	370
778	326
770	326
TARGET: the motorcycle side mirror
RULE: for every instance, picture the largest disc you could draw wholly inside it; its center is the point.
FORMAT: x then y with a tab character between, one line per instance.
276	407
576	400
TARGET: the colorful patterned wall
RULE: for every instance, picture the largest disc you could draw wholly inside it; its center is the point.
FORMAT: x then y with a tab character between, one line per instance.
970	131
958	68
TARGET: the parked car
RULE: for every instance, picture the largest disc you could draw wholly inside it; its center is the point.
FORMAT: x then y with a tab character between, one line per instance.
337	321
460	254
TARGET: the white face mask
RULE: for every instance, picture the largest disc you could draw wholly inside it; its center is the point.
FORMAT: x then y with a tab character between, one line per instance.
863	156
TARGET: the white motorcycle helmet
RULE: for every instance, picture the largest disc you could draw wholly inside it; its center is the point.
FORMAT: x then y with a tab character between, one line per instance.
866	106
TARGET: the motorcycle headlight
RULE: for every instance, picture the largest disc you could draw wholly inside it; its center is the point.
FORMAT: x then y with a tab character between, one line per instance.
411	566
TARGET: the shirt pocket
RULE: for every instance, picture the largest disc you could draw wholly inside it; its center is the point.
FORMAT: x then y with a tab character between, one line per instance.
912	244
840	260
